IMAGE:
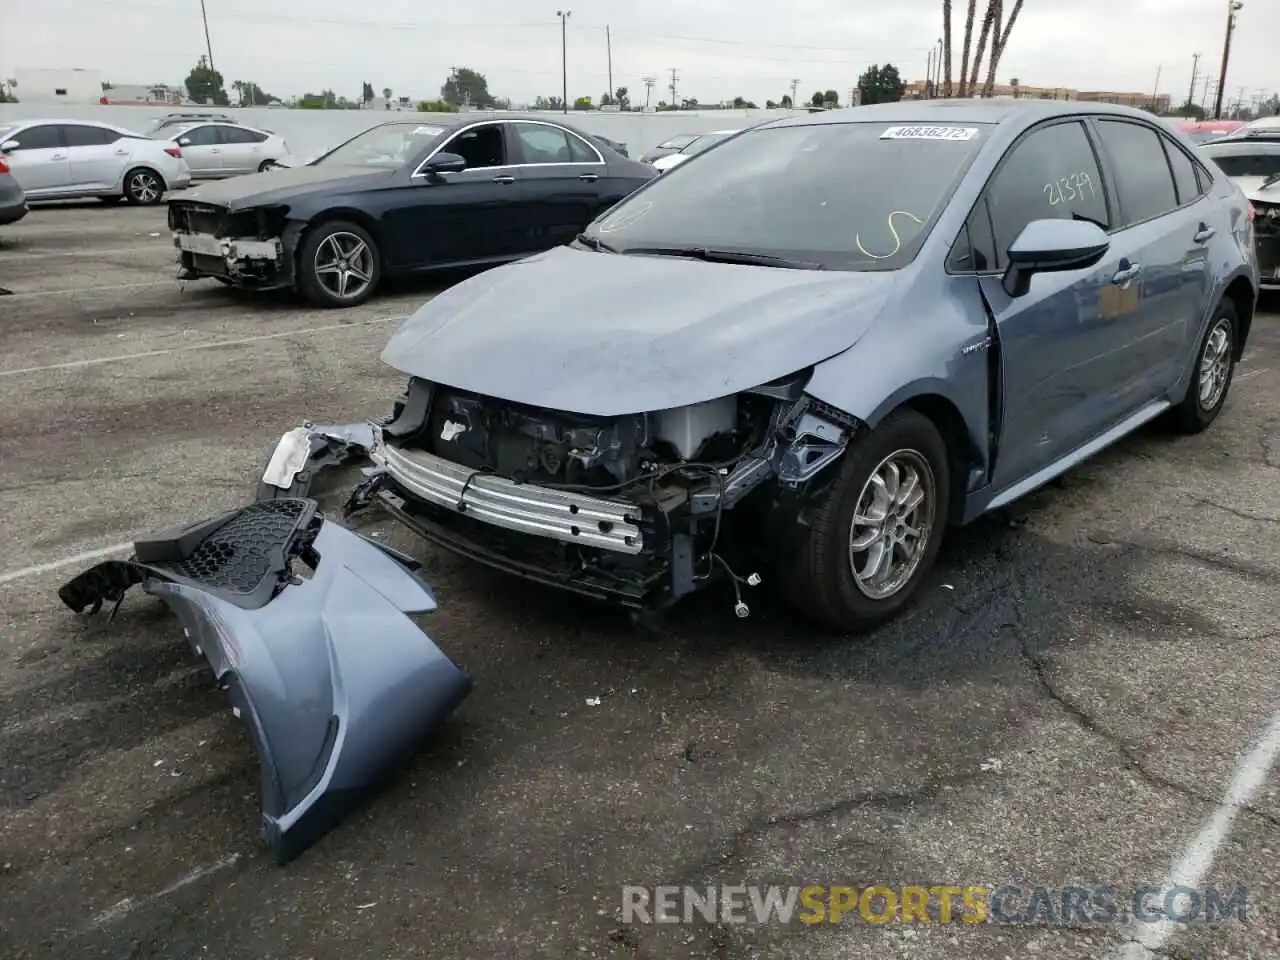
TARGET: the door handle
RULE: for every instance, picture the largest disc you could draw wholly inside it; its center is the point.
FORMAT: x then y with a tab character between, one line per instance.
1206	233
216	150
58	156
1126	274
504	179
589	177
122	153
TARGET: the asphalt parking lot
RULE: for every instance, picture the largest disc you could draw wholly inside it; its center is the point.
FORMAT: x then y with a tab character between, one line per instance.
1086	692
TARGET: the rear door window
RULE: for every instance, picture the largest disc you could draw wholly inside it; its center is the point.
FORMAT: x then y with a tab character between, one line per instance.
1051	174
241	135
1184	172
78	135
1144	182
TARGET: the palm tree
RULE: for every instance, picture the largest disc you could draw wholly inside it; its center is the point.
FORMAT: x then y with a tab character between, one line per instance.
993	8
1001	37
946	47
968	47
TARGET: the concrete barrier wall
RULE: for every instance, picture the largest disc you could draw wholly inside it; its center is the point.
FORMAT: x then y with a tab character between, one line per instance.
310	132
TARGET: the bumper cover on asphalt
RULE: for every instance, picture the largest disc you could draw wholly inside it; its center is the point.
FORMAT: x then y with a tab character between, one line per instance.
305	624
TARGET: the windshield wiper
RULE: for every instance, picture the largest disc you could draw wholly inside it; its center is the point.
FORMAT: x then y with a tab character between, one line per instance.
1271	181
728	256
595	243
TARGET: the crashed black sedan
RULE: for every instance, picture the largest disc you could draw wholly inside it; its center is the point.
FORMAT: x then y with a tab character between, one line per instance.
401	198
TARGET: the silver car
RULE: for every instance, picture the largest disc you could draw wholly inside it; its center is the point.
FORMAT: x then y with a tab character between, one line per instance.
67	159
217	150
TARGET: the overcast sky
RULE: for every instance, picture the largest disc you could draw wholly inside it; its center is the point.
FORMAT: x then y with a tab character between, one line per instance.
721	49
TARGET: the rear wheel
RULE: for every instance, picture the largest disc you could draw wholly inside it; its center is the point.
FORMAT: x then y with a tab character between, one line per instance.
338	265
875	533
1211	378
266	165
143	186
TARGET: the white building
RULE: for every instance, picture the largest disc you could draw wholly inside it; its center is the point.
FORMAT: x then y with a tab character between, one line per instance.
50	85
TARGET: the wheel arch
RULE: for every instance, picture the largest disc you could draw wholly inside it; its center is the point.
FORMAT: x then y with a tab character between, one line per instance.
963	451
1244	297
349	214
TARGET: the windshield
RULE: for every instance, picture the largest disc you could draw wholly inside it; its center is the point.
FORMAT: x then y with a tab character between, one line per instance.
703	142
1248	164
847	196
386	147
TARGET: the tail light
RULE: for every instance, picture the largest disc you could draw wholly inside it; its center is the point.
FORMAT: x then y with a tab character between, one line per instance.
175	152
4	165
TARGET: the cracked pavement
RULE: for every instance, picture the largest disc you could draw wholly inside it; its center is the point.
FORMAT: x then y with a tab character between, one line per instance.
1065	705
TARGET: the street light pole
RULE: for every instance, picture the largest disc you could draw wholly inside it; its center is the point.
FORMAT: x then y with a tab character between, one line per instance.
564	60
1232	7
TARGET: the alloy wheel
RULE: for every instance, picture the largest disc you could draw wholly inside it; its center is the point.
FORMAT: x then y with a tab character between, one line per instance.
1215	364
145	187
344	265
892	524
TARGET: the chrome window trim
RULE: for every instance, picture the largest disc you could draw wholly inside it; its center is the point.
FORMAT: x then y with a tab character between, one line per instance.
510	166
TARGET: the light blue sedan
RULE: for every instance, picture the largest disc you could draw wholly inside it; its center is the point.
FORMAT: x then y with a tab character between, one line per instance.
817	346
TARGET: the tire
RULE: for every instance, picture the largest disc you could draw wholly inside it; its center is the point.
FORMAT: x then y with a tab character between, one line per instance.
319	242
143	187
822	580
266	165
1212	374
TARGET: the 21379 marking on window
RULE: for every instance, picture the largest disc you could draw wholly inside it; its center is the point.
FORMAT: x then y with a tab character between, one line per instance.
1068	188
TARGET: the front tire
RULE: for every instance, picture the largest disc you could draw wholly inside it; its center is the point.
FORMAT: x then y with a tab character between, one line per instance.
874	534
143	187
1211	378
338	265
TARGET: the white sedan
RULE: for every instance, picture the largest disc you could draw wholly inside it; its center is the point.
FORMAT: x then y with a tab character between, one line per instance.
217	150
68	159
695	146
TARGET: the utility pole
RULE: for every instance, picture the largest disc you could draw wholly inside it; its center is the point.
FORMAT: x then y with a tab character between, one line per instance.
648	90
928	75
675	100
608	43
564	60
208	44
795	84
1195	69
1232	7
1155	91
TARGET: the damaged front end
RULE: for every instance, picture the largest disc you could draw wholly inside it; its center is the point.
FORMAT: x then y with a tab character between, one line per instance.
306	625
250	248
1266	232
638	510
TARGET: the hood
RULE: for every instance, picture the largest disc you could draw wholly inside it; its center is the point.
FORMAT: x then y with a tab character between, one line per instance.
611	334
1252	188
282	185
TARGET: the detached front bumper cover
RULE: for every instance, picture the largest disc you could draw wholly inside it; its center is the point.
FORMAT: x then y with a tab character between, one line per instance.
305	624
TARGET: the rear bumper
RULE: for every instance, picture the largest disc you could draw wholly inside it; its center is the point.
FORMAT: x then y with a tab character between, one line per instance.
335	683
13	202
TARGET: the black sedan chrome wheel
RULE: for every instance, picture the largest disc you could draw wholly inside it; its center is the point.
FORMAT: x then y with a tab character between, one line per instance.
338	265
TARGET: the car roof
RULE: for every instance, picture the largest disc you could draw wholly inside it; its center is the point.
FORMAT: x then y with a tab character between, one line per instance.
1233	148
452	121
40	121
968	110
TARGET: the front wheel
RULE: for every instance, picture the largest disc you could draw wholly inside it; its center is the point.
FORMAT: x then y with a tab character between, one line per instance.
874	535
338	265
1211	378
266	165
143	187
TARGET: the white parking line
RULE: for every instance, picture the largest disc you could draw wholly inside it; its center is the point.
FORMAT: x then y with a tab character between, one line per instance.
1197	859
86	251
126	906
94	288
85	557
191	348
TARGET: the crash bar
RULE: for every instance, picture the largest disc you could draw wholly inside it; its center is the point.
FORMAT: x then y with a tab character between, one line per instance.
524	507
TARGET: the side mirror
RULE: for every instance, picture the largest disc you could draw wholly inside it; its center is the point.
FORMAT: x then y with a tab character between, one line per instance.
184	142
1052	246
446	163
9	145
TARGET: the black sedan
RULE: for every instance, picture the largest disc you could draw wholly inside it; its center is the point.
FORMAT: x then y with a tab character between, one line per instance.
399	198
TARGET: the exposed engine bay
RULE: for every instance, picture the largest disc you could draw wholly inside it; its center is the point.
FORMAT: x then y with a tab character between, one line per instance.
633	509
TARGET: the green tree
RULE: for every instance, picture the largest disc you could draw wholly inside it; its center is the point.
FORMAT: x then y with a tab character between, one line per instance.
436	106
466	86
831	98
621	98
366	93
881	84
1192	110
204	84
817	99
251	94
324	100
785	103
